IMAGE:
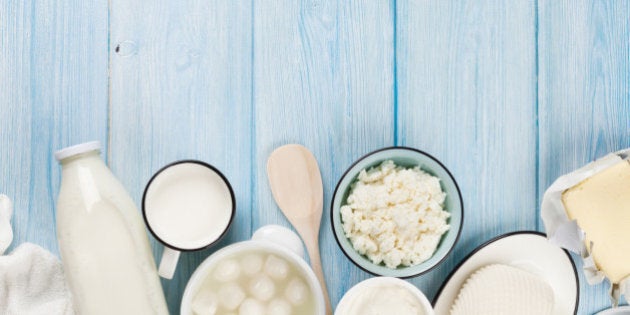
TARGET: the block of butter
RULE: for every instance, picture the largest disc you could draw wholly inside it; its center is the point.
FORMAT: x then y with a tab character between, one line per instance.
601	206
587	212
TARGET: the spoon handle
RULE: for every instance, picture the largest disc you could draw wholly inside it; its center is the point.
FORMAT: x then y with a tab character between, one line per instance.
316	263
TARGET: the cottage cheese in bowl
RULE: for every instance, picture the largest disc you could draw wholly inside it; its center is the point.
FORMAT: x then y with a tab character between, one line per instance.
397	212
395	215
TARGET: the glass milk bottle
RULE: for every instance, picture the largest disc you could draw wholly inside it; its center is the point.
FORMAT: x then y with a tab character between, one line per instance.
102	239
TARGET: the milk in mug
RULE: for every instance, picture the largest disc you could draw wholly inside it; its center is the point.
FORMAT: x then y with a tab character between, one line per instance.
188	205
102	239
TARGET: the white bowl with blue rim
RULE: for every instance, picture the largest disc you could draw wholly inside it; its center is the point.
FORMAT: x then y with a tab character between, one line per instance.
408	158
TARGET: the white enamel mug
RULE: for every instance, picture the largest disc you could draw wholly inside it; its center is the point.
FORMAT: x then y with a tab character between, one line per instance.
187	205
272	239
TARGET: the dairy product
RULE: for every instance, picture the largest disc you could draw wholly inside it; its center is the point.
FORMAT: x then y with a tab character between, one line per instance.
601	206
102	240
276	267
251	307
395	215
296	292
501	289
251	264
265	292
279	307
188	205
381	298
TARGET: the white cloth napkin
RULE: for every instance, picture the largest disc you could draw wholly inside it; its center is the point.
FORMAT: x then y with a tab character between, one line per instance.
31	278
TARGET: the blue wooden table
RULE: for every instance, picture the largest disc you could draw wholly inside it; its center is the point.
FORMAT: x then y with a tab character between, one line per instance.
507	94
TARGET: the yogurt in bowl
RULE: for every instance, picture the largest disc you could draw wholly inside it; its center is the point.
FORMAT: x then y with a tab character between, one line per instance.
384	295
266	275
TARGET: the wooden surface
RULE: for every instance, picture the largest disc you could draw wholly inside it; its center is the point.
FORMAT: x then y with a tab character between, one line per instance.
466	93
509	95
584	94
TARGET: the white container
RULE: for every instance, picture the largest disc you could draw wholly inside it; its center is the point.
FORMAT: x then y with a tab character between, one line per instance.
368	293
272	239
102	239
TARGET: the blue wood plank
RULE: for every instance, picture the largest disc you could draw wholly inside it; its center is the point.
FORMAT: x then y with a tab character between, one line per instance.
467	94
323	77
181	89
53	65
584	95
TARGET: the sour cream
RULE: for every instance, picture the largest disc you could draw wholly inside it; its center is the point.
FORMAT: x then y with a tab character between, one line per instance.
384	295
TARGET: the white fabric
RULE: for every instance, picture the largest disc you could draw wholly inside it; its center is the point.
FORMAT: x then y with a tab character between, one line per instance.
31	278
6	233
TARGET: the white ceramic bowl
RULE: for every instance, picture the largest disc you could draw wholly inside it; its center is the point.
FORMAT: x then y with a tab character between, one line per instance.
355	290
272	239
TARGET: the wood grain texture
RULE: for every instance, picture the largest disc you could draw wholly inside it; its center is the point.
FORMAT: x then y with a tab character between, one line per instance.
466	94
181	89
296	184
584	95
323	78
229	81
53	93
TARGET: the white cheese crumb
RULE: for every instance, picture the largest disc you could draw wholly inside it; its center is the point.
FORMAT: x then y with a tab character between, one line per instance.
395	215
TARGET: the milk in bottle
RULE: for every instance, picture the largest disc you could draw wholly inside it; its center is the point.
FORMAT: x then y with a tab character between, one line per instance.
102	239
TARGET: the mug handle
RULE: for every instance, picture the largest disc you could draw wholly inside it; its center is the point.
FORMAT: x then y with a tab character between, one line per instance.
168	263
282	236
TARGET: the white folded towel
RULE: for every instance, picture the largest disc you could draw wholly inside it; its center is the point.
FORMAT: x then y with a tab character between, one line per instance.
31	278
6	233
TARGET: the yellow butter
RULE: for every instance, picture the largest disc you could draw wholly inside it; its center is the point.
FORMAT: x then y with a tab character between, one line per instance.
601	206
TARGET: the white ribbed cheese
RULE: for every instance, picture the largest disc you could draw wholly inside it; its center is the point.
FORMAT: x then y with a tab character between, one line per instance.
501	289
601	206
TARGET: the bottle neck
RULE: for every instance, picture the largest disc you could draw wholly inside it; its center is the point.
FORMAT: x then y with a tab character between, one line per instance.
80	158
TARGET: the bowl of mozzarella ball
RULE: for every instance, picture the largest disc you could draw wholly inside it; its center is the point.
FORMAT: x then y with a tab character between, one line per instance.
265	275
397	212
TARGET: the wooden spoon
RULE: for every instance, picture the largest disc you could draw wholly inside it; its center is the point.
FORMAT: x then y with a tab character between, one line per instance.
296	184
